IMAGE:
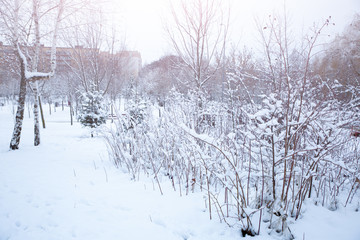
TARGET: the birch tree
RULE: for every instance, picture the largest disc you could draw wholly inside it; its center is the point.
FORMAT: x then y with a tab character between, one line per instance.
34	67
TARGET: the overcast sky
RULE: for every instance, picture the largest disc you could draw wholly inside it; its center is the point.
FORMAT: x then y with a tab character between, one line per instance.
142	20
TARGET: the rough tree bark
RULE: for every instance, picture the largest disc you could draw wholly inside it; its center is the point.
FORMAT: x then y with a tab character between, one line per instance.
35	62
33	76
15	140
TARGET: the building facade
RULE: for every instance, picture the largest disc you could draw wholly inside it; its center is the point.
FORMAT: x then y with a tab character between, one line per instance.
70	59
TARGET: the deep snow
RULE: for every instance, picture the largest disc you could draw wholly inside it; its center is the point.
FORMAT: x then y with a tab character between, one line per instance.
67	188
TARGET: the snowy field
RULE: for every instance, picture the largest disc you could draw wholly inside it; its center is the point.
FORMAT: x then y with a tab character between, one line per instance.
68	189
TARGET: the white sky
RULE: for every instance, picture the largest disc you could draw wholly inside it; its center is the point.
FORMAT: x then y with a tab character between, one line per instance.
142	20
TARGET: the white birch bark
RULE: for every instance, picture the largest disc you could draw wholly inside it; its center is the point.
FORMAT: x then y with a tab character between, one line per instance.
15	140
35	86
32	76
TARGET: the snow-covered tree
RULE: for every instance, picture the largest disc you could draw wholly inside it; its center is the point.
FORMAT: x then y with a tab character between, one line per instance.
275	141
92	110
25	24
15	21
342	53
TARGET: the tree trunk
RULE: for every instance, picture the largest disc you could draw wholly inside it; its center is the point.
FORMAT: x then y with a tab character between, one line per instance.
36	117
42	113
35	62
71	114
15	140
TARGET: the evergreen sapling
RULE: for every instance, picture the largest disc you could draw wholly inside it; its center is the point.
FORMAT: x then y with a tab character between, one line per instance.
93	110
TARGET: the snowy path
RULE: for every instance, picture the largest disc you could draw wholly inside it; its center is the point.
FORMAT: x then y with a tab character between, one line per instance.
67	189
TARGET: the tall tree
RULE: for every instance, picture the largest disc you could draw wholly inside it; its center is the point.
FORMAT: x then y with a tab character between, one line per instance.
341	64
198	34
16	16
94	59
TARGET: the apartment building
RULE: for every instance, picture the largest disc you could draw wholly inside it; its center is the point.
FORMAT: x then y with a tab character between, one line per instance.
71	58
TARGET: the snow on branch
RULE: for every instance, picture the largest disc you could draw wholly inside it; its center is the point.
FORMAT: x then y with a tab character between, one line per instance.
29	75
32	76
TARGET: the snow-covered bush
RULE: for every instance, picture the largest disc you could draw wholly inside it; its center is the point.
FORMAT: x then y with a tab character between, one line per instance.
136	112
247	172
274	142
92	112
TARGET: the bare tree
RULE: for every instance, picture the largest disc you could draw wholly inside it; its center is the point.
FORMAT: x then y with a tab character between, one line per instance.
159	77
94	61
16	17
35	59
198	33
341	64
26	24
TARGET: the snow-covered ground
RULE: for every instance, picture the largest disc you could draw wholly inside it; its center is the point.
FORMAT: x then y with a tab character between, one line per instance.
68	189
